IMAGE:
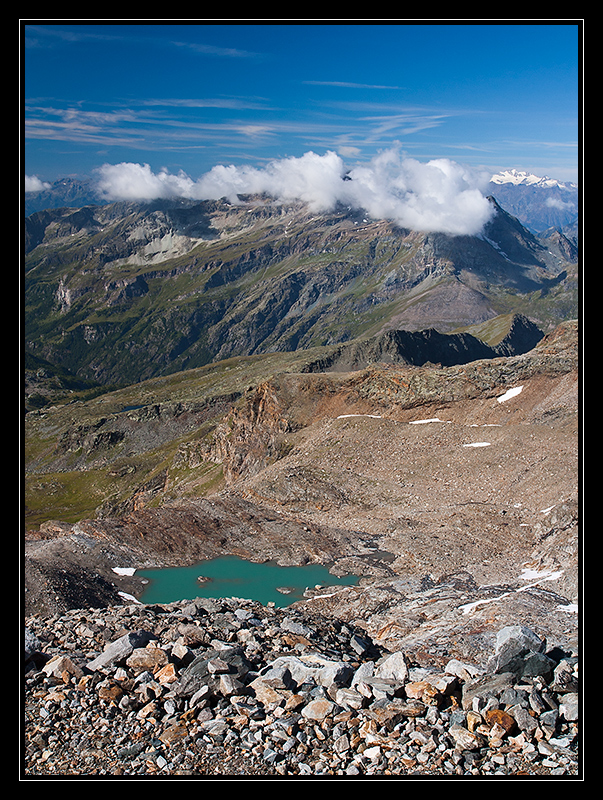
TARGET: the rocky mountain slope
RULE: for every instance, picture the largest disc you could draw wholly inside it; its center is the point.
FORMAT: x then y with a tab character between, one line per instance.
332	468
121	293
148	440
232	689
279	398
451	491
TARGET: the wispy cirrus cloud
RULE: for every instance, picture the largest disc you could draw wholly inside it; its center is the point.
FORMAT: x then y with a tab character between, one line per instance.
74	125
52	35
384	120
228	103
404	124
142	129
43	36
154	123
350	85
212	50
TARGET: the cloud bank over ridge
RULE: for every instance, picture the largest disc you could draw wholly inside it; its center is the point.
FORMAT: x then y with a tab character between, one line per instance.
437	196
34	184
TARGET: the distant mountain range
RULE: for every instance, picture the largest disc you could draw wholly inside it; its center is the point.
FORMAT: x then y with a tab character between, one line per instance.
520	178
539	203
62	193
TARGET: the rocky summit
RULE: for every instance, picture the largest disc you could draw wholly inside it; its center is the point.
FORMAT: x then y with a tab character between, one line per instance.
230	688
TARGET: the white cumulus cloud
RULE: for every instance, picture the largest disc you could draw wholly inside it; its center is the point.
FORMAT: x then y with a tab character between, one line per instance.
34	184
127	181
439	195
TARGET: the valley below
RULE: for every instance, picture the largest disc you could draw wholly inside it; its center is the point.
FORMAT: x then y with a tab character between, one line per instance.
452	492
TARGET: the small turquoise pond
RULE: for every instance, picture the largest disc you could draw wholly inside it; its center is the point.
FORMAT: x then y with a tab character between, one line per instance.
230	576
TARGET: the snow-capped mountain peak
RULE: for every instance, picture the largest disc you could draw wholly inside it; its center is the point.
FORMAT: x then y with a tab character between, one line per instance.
520	178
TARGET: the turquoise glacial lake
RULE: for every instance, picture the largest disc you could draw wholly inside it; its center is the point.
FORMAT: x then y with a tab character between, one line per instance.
230	576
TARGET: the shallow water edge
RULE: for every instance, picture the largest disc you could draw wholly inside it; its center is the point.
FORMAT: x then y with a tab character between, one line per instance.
230	576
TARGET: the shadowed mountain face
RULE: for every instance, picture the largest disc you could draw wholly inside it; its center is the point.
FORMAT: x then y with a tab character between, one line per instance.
125	292
424	347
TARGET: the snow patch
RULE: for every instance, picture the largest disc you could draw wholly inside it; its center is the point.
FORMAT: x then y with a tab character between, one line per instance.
571	608
478	444
495	245
509	394
124	570
129	597
548	575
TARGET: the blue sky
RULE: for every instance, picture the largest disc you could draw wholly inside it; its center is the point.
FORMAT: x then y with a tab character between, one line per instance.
187	97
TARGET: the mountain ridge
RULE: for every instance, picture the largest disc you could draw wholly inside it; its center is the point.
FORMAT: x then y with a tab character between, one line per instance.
540	203
123	292
519	177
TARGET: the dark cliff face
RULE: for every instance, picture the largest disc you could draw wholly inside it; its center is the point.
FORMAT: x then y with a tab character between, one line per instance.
415	348
523	335
124	292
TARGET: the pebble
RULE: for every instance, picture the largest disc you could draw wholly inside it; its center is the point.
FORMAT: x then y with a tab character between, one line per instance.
233	688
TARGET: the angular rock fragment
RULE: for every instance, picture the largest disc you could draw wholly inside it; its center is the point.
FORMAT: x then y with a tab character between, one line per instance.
159	707
120	649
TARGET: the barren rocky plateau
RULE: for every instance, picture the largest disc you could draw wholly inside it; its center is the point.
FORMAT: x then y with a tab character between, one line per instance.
451	491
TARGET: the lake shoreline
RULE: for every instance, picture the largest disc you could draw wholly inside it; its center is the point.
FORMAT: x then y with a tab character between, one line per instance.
232	576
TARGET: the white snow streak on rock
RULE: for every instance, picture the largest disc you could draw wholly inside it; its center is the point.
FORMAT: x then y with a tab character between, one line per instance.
544	576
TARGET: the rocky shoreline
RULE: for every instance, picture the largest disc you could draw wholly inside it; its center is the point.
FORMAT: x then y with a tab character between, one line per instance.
231	689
